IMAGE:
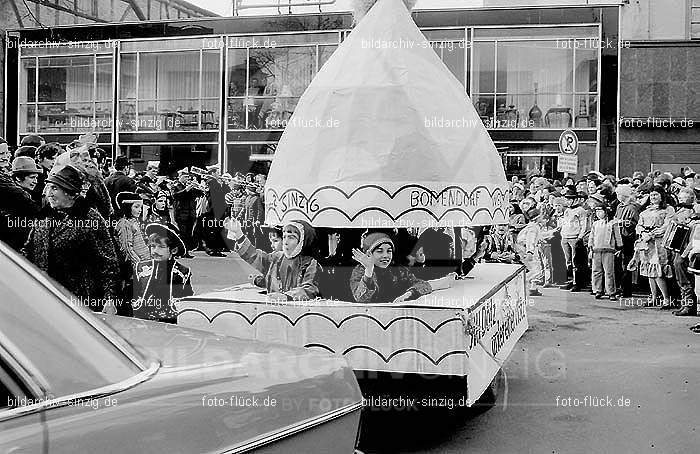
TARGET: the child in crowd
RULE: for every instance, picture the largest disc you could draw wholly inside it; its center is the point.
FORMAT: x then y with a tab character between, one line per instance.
528	249
162	279
290	274
574	227
374	280
603	241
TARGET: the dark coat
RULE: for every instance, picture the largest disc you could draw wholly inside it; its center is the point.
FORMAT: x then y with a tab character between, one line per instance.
185	202
74	247
16	209
156	286
119	182
98	196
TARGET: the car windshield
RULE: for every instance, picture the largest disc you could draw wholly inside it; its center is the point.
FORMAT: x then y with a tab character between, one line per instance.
72	355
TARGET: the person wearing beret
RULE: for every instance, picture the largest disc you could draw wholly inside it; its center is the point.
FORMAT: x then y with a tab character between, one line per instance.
73	244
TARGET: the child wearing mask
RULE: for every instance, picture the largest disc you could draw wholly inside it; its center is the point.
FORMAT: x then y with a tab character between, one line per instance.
289	274
603	241
162	279
374	280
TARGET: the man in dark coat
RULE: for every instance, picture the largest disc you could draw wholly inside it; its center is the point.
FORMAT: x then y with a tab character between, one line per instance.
185	194
119	181
16	209
214	231
72	243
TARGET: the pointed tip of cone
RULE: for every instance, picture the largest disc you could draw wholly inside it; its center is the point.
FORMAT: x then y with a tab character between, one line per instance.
361	7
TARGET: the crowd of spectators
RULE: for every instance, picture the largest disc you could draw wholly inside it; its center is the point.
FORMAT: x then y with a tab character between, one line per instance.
635	237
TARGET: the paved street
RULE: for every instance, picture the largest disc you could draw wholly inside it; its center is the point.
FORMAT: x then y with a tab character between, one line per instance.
643	362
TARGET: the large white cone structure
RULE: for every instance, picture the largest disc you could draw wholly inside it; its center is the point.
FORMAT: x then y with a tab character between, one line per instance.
368	144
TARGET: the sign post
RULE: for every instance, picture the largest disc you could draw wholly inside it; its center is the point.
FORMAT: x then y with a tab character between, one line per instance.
567	161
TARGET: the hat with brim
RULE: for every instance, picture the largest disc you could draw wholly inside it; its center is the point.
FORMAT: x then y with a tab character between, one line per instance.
23	164
598	200
67	178
171	232
127	197
184	171
571	193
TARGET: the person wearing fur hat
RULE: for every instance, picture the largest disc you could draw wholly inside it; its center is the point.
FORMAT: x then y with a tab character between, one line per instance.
291	274
73	244
159	281
375	280
650	256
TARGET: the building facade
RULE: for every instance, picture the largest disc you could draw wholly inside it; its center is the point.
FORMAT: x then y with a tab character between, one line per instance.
206	91
660	86
18	14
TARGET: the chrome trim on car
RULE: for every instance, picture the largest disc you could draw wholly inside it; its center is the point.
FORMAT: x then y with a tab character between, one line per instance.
75	399
118	343
15	359
292	430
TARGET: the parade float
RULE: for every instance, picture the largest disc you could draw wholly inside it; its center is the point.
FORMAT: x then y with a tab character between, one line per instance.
375	158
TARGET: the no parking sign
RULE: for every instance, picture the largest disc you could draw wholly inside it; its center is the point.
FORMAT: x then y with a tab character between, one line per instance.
567	161
568	142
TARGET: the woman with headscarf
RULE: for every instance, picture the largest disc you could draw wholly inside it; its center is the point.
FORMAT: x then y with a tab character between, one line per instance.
291	274
73	245
374	280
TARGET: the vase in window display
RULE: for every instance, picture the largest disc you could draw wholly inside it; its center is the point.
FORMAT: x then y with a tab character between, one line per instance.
558	117
535	114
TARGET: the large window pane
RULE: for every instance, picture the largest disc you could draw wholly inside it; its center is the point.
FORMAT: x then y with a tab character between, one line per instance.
586	68
27	92
66	79
284	71
523	66
211	75
127	77
484	67
237	72
27	118
103	90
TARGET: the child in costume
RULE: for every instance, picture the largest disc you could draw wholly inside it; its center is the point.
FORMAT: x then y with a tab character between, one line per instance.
290	274
375	281
161	280
603	242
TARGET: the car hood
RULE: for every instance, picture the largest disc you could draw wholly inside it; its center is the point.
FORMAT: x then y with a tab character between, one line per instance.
215	393
178	348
